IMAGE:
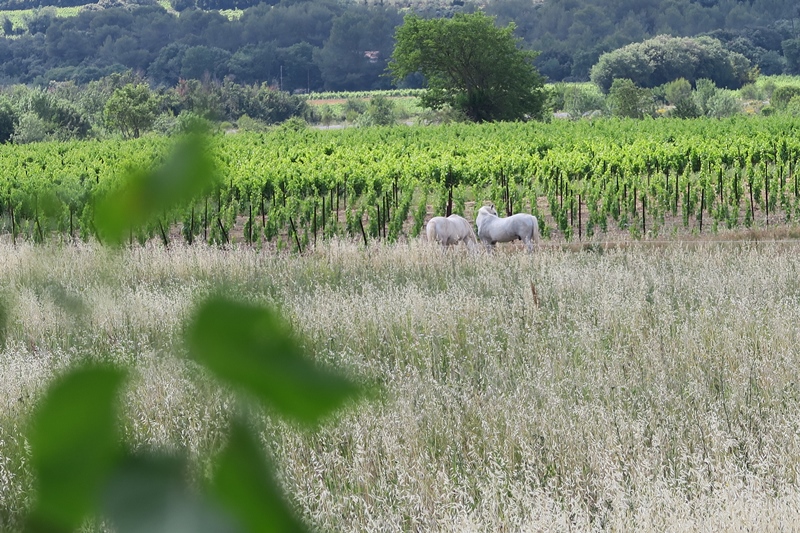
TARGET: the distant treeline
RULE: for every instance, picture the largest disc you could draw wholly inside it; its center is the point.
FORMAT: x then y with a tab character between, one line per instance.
326	45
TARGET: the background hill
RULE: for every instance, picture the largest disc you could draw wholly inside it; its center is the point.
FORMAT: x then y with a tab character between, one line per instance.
339	46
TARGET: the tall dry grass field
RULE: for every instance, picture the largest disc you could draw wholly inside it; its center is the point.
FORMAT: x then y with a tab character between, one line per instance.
652	388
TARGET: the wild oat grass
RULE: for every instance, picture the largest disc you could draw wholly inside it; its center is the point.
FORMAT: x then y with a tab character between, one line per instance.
649	389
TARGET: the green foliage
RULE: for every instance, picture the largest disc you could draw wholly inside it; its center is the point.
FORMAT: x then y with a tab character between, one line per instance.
686	108
679	94
751	92
83	472
131	110
30	128
145	195
9	120
255	351
576	99
677	90
74	446
704	92
791	53
245	485
793	107
663	59
379	112
627	100
782	95
470	65
245	123
723	104
354	108
81	469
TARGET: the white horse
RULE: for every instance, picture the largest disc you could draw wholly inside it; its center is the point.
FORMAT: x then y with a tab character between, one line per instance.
493	229
451	230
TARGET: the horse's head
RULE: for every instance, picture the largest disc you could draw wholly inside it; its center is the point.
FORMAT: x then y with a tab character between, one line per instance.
489	209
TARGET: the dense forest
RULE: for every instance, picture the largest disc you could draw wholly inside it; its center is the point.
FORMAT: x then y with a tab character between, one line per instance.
329	45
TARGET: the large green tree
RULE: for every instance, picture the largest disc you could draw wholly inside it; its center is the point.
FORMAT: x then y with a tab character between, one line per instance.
471	65
131	110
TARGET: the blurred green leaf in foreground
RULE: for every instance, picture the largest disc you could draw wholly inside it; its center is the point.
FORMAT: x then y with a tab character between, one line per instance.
187	173
83	471
254	349
81	467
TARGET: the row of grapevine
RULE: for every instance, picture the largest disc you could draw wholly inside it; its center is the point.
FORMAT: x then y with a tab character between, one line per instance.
308	185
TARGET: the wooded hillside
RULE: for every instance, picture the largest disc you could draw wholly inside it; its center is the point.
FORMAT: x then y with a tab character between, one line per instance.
327	45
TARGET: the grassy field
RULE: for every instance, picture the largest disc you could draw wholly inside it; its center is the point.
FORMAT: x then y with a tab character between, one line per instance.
647	388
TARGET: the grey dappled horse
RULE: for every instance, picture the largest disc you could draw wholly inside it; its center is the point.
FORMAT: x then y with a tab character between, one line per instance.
493	229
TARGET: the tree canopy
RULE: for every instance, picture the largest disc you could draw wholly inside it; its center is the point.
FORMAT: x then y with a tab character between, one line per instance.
131	109
471	65
663	59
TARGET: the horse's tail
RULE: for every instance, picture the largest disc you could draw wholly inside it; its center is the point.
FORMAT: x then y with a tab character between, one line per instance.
471	240
471	236
431	231
536	231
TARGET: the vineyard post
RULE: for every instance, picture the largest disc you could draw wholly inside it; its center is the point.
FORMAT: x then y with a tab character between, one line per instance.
688	207
644	215
250	224
219	212
363	233
387	210
164	237
296	237
263	214
766	192
386	204
579	217
449	185
702	205
571	211
677	188
449	201
39	228
191	227
222	229
379	217
509	207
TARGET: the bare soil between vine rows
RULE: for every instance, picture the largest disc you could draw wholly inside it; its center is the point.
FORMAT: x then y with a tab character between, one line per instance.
673	230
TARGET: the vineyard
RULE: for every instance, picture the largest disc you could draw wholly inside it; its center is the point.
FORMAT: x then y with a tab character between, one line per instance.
293	188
